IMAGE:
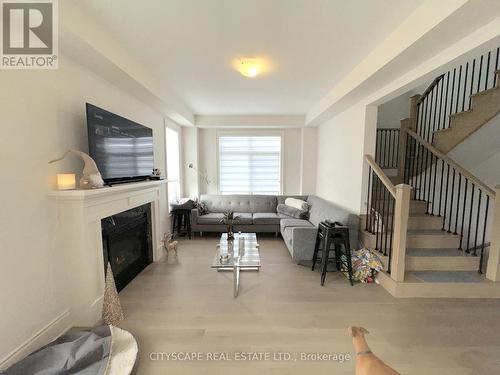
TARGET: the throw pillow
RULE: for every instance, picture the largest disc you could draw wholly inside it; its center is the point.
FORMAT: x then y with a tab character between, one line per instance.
297	203
283	209
202	208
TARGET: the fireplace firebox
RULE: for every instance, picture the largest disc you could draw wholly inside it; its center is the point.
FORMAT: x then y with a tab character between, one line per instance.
127	246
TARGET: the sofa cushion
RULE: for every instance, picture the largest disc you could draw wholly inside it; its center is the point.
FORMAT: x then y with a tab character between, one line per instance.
281	198
289	211
212	218
285	223
243	218
322	210
299	204
202	208
266	218
240	203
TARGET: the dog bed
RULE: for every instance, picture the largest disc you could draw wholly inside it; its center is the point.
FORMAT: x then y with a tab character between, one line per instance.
103	350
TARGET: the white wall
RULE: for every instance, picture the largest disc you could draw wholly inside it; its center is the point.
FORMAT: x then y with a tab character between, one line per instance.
207	156
341	146
291	161
190	155
480	153
488	171
392	112
309	155
207	159
43	115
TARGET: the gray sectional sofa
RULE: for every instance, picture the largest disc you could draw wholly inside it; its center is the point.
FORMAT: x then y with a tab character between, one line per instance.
258	214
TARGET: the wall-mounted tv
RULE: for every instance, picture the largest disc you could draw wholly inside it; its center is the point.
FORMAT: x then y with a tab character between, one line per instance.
121	148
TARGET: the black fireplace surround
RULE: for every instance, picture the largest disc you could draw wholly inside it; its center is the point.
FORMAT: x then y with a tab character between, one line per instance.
126	239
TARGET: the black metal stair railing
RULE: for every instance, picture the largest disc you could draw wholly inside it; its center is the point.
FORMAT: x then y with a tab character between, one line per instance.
380	211
452	92
387	147
450	192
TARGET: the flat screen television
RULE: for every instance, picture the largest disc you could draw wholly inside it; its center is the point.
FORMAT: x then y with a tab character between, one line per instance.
121	148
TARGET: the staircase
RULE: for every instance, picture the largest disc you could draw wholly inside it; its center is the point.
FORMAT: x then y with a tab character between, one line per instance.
431	239
485	105
433	261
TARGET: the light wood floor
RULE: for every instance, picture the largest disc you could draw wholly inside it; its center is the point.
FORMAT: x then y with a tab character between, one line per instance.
186	306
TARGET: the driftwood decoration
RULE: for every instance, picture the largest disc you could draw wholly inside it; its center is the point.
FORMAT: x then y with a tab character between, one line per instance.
91	178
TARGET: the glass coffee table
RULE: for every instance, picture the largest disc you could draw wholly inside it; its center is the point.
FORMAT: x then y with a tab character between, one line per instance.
229	256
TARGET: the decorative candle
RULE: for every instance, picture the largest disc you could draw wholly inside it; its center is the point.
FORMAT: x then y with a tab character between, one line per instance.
66	181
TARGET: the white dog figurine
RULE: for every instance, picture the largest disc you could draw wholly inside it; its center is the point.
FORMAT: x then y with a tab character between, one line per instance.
169	244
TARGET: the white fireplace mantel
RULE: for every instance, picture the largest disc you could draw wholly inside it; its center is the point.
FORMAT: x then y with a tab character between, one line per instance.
79	233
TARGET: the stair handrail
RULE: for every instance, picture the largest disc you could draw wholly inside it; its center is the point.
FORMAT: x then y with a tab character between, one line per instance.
394	212
381	175
452	92
430	88
487	190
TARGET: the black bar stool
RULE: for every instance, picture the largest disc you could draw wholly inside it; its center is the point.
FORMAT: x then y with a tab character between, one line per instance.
181	221
337	236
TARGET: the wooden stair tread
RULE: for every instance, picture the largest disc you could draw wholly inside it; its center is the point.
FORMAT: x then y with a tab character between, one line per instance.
423	232
430	232
424	215
439	277
438	253
453	284
440	260
484	92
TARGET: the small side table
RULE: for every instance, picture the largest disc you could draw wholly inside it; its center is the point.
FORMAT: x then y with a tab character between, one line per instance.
181	222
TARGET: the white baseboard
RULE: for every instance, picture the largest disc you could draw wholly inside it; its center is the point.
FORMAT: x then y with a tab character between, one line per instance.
48	333
96	310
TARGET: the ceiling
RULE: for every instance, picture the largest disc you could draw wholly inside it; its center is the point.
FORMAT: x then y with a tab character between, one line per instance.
189	46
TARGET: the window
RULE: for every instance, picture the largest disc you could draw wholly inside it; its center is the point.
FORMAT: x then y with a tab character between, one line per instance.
249	164
173	164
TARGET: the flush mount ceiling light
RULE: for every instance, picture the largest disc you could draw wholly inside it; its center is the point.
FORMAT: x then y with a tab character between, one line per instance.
250	67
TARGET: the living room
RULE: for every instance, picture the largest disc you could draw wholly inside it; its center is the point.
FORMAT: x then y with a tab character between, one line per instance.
266	118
